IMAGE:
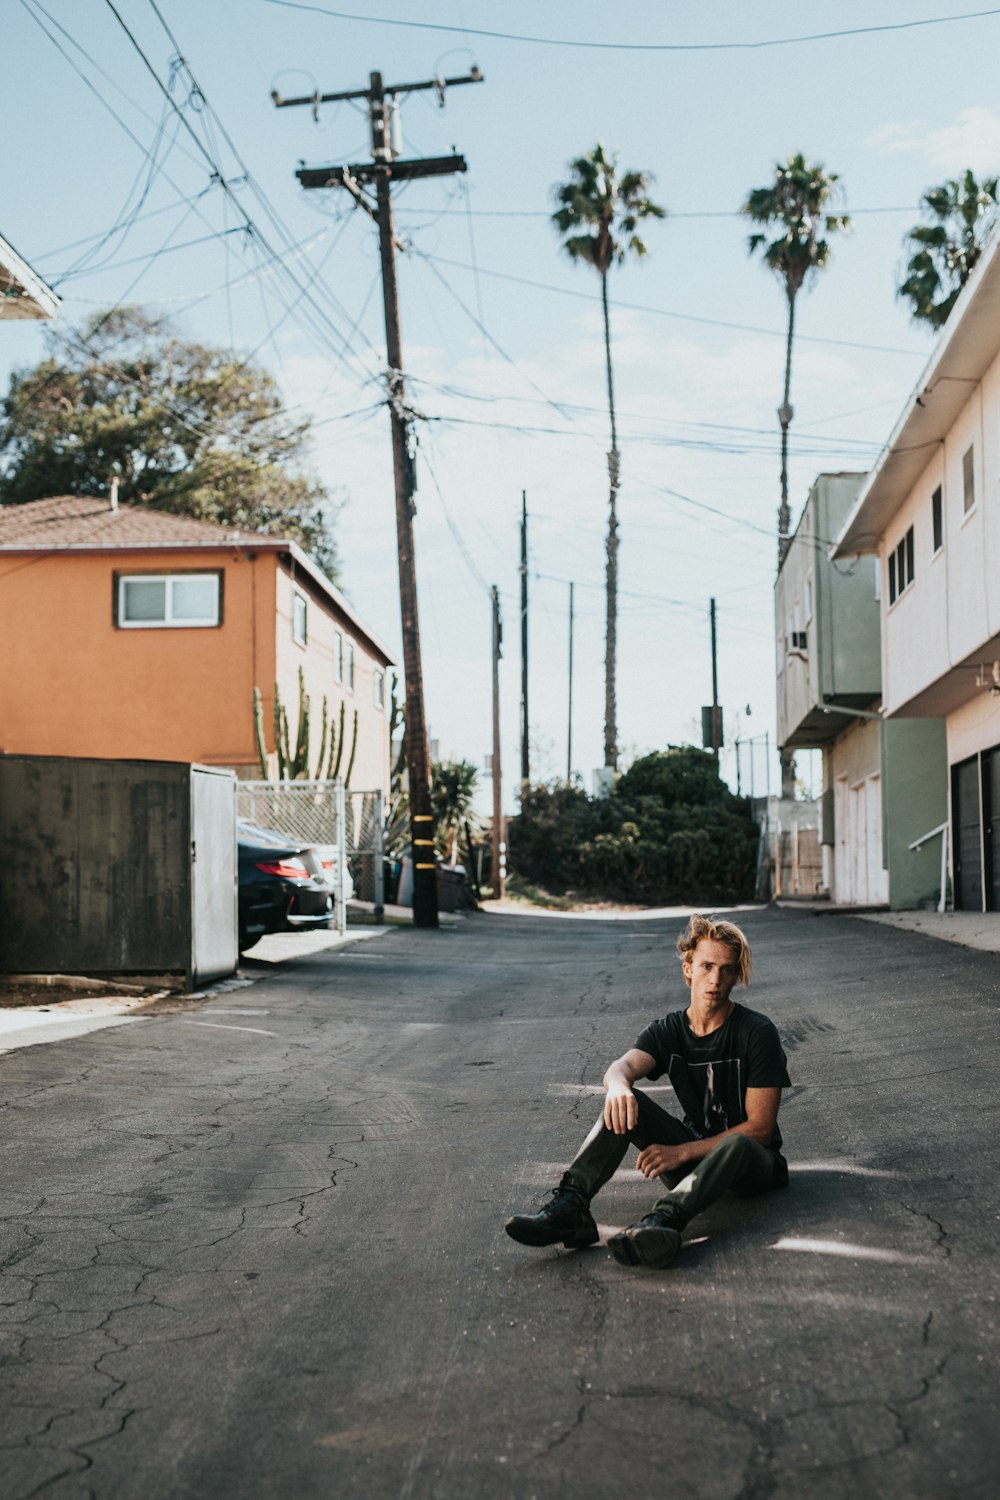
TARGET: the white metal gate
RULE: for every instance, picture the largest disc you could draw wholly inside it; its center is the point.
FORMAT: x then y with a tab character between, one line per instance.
349	823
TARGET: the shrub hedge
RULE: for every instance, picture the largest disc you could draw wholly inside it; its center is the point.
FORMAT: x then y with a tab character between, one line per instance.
671	831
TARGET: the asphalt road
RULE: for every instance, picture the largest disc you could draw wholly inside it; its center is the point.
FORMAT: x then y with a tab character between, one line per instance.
254	1248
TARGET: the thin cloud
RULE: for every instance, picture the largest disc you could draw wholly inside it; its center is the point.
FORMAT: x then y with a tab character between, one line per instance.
972	140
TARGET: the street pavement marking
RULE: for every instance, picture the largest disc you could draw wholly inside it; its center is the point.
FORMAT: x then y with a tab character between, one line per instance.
219	1010
851	1252
224	1026
849	1168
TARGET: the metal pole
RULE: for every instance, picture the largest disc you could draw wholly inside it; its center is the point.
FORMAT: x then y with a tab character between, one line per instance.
341	806
425	908
525	757
378	880
499	847
715	690
569	730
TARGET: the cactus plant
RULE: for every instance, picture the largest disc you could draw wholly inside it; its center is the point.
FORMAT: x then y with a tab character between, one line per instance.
293	764
258	724
354	746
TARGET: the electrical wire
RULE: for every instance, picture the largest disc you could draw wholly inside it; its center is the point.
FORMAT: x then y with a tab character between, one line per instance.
345	353
710	213
664	312
509	358
576	42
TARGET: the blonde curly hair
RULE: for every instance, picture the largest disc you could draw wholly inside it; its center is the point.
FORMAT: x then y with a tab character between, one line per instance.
700	927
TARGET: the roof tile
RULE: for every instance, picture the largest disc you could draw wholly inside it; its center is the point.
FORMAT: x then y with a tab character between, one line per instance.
87	521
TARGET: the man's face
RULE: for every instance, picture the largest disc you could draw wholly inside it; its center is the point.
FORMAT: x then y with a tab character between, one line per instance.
711	971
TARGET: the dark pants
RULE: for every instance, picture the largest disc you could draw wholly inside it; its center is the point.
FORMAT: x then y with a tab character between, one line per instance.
737	1162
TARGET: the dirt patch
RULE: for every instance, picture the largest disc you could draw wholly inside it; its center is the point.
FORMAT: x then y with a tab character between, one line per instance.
15	993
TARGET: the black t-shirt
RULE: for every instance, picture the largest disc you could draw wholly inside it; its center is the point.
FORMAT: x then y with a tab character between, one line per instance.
711	1074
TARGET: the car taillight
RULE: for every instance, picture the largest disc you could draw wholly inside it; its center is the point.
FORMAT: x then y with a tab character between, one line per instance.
288	869
329	864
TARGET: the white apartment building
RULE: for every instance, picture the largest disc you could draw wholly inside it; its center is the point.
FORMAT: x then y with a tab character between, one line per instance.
930	511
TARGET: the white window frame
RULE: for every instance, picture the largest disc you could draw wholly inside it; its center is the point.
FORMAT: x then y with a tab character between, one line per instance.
378	688
349	665
902	560
338	656
297	600
969	473
168	579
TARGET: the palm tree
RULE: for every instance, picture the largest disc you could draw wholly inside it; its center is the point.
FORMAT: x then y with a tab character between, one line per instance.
792	209
962	210
599	213
453	790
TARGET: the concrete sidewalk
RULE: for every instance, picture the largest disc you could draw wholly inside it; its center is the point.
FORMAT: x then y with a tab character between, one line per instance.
970	929
33	1025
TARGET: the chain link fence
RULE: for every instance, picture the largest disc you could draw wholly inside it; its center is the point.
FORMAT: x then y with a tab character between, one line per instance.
348	823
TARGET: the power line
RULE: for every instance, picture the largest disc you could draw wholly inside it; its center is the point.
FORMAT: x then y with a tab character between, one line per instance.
491	398
217	176
546	41
665	312
708	213
486	333
534	430
346	352
149	256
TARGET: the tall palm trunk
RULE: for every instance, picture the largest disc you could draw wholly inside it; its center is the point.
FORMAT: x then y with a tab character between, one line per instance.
786	757
785	415
611	634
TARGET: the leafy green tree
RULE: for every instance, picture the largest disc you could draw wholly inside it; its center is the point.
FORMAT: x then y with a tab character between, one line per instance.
185	428
453	790
794	246
945	250
670	831
599	213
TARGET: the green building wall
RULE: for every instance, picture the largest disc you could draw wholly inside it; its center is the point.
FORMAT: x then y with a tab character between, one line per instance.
914	800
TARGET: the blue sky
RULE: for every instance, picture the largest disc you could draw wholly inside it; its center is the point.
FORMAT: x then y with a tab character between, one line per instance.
698	326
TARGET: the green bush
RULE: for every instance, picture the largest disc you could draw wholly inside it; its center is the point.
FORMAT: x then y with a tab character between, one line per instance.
671	831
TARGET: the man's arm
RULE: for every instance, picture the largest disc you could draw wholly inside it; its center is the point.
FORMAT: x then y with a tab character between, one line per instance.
621	1112
762	1116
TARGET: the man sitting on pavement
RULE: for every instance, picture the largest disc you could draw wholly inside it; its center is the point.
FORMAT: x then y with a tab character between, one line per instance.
727	1068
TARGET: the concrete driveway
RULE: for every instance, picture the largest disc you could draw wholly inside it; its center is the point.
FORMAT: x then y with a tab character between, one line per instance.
254	1248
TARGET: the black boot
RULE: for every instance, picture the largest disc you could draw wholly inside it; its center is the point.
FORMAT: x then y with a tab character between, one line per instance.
651	1242
565	1217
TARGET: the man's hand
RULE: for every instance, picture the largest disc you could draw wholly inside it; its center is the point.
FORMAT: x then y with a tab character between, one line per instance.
621	1108
621	1112
655	1160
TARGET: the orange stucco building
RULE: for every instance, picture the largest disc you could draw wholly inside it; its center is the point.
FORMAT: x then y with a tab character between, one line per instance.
131	633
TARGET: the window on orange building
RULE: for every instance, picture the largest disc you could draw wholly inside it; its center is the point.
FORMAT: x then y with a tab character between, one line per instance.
157	600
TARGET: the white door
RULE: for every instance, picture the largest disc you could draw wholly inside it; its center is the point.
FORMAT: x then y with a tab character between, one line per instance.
876	879
214	945
856	846
841	834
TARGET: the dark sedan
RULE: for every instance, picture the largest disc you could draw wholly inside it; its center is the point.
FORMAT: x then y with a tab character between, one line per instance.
282	885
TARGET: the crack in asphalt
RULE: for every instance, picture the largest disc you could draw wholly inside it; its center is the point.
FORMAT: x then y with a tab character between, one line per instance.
942	1233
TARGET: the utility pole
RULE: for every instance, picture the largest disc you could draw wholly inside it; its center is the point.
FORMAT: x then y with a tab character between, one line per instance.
385	168
525	756
711	716
569	716
499	844
716	736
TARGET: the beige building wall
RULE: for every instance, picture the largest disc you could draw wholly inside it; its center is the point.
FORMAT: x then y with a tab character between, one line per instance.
331	642
973	727
952	607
